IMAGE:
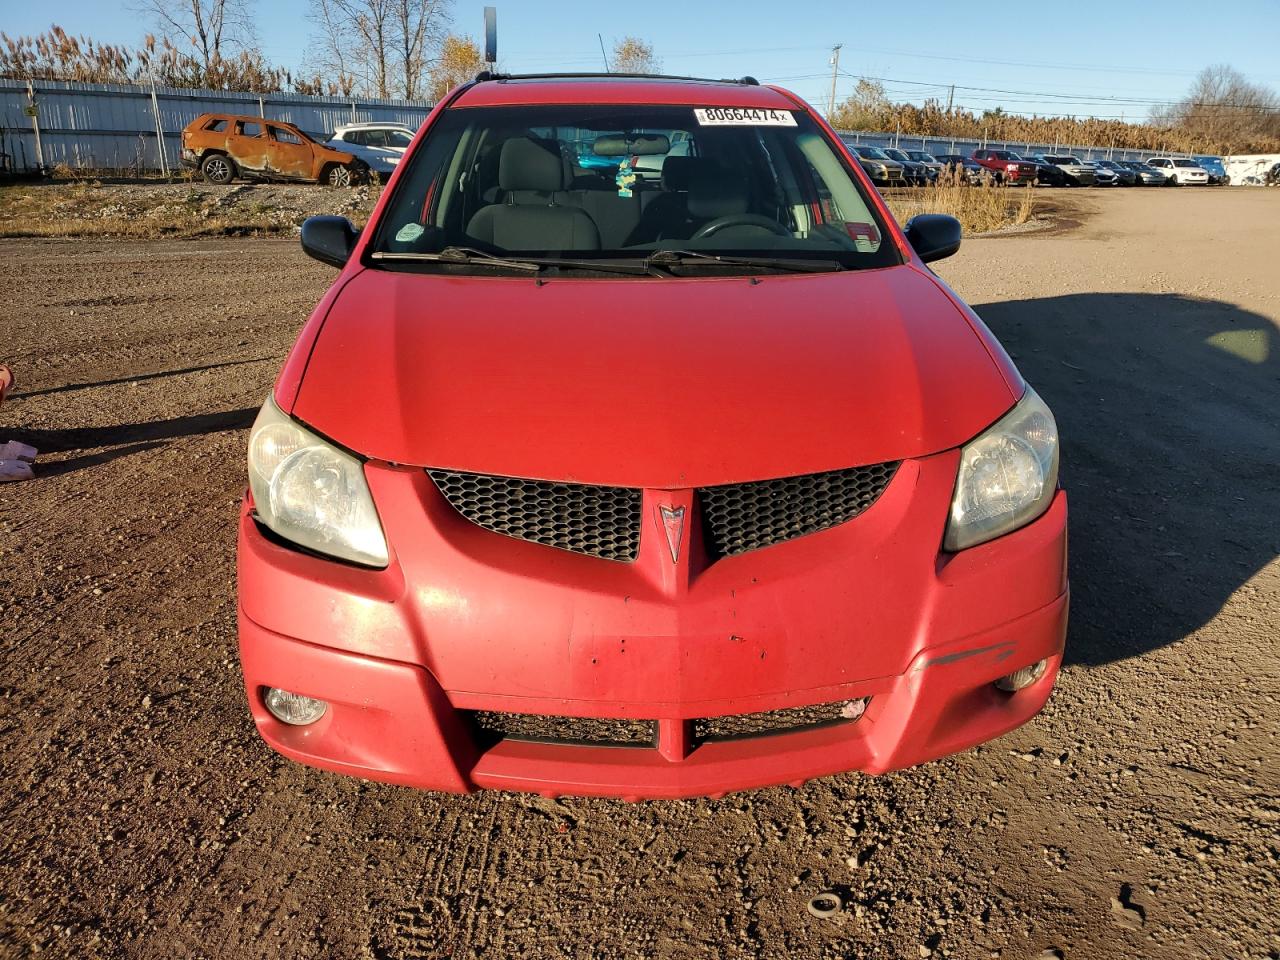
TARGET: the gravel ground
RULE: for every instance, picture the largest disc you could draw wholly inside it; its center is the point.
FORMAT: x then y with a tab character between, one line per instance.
1137	817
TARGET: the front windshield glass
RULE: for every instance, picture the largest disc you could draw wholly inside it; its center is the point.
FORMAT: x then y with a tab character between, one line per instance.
897	155
871	153
1184	163
921	156
621	182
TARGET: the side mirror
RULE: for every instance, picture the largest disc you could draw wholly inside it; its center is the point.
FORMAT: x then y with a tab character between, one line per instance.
933	236
329	239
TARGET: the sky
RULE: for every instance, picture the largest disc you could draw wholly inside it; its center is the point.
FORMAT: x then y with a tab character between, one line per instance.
1108	58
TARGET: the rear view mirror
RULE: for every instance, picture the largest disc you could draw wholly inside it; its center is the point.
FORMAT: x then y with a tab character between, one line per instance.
329	239
933	236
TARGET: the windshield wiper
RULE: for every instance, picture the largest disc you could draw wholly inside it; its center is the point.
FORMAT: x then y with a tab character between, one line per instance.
670	258
474	255
461	255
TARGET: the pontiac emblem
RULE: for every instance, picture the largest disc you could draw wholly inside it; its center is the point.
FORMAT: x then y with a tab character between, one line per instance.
672	519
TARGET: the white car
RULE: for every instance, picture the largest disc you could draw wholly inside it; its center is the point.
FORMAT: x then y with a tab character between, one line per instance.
1178	170
380	145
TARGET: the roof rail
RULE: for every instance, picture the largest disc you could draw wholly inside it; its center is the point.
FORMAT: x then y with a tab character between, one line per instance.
484	75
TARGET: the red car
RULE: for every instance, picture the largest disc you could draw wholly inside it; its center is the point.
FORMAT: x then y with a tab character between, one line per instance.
661	479
1005	166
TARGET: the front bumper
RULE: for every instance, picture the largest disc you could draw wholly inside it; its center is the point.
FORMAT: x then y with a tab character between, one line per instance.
465	620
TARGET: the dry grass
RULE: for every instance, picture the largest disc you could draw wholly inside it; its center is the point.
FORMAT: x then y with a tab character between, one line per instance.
89	208
980	208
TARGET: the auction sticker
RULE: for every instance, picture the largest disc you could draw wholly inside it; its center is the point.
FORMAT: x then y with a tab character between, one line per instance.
743	117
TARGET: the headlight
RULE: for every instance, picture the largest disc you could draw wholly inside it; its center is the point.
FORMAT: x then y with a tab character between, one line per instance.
1008	475
308	491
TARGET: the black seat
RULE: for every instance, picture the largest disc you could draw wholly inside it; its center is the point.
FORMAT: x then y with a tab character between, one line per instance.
530	217
666	217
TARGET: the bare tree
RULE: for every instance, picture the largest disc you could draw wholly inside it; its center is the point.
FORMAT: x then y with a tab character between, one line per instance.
633	55
385	46
1225	110
213	28
420	30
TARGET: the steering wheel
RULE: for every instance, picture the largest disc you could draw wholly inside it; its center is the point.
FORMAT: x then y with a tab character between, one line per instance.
713	227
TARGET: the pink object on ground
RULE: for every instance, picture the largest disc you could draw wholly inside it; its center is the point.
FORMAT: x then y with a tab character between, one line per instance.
15	457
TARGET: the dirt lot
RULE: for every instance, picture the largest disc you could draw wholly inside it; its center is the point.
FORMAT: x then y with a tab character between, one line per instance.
1138	817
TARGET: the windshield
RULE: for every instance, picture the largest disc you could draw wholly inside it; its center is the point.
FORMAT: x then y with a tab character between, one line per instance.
615	182
921	156
871	153
897	155
1183	163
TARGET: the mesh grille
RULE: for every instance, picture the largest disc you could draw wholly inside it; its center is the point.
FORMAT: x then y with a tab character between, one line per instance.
598	521
770	721
747	516
594	730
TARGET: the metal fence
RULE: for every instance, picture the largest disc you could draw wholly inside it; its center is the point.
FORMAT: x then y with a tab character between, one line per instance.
118	126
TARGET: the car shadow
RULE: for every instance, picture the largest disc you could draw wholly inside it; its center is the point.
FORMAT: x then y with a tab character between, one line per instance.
124	439
1169	411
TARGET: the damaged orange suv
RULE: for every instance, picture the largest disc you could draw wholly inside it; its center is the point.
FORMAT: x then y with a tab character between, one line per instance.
225	146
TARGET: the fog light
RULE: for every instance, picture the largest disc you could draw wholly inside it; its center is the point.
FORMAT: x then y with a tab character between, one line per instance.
294	708
1020	679
854	708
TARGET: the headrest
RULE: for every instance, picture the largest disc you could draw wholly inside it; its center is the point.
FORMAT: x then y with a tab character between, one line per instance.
676	172
715	192
641	145
530	165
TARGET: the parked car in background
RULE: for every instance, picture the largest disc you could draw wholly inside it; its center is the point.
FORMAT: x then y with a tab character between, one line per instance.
1179	170
1146	176
224	146
1005	166
928	159
1047	175
380	145
1124	177
883	171
1102	176
1079	172
1214	168
967	169
915	172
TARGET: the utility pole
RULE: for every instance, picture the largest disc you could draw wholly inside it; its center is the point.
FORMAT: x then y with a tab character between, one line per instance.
951	96
835	69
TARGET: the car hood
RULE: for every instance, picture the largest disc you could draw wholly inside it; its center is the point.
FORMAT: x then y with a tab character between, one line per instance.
663	383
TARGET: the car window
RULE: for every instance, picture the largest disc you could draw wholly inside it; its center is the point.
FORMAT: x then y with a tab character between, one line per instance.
1184	163
248	129
217	126
358	137
375	138
622	181
399	139
284	135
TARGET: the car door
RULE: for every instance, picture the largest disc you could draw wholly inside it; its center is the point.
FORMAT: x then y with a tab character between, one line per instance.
248	146
290	156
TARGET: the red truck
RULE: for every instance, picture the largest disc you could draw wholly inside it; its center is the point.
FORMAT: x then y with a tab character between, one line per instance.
1006	166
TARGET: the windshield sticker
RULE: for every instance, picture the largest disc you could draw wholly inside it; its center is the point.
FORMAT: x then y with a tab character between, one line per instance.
743	117
410	232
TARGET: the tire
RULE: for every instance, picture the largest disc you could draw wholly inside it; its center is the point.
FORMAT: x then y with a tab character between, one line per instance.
218	168
338	176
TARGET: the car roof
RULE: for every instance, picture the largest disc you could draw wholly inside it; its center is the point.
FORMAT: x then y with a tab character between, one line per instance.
622	89
374	125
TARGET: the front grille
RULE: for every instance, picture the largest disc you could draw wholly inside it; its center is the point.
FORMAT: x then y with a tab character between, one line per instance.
605	521
555	729
747	516
597	521
768	722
